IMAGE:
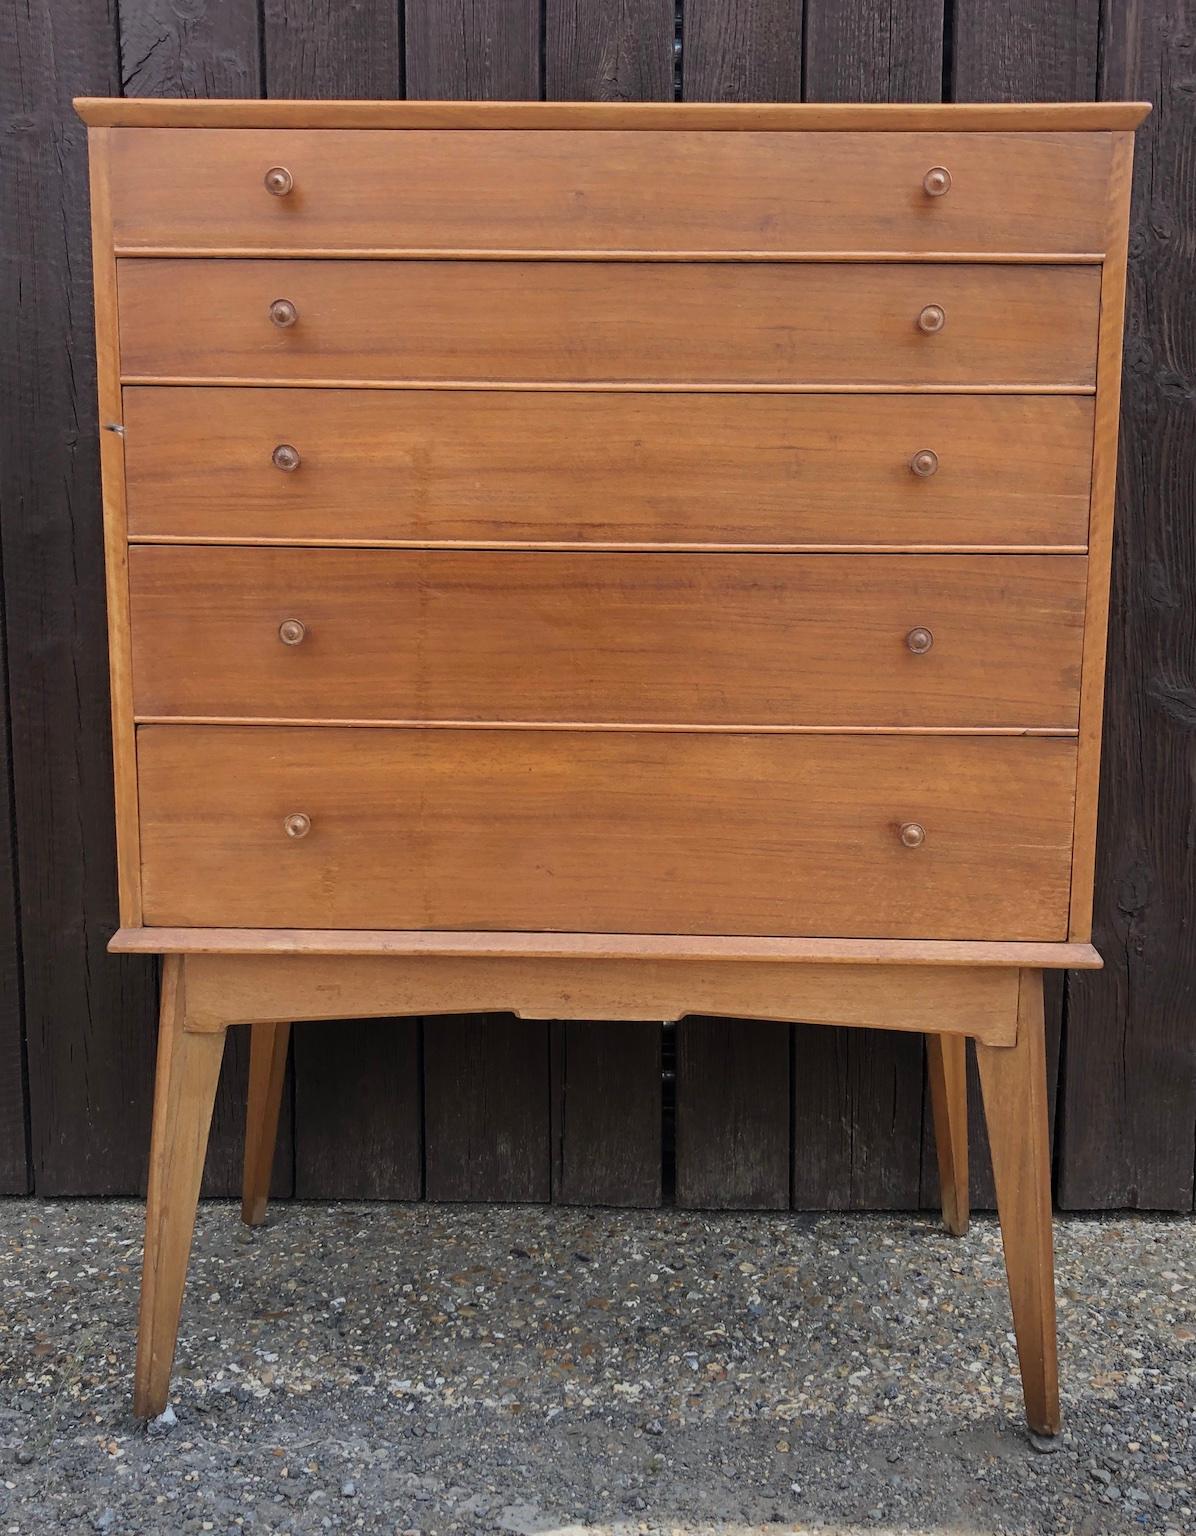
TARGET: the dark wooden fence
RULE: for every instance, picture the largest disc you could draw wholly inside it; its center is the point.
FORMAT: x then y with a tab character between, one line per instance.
492	1108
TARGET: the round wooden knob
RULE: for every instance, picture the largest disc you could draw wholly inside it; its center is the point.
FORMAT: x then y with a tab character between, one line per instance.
932	319
923	463
279	180
284	313
918	640
292	631
937	181
912	835
286	457
296	824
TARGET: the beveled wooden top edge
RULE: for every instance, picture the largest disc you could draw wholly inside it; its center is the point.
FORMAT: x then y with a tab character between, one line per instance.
1039	117
600	946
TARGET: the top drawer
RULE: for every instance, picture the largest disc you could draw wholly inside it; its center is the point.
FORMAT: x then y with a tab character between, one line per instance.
435	190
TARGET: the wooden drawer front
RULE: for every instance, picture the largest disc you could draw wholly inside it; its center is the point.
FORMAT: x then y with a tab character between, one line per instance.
609	190
675	639
733	323
602	831
570	466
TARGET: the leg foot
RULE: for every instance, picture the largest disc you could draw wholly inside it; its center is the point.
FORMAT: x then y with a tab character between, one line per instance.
1013	1081
267	1071
184	1090
946	1059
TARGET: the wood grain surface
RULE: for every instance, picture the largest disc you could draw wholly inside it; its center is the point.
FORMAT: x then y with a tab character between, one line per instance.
442	635
589	322
709	192
591	831
479	466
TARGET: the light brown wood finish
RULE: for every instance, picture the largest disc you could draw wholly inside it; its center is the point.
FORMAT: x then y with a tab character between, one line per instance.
946	1065
267	1073
460	944
480	466
1104	491
622	190
625	832
226	989
586	322
598	637
184	1090
683	779
124	757
820	117
1013	1082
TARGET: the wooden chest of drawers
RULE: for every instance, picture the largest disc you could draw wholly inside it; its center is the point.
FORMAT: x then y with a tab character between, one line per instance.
624	560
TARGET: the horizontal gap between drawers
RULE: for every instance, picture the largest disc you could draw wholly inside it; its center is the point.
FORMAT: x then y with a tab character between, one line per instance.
599	547
435	253
648	387
617	725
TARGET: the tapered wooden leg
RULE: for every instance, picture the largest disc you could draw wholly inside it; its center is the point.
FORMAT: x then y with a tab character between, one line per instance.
184	1089
1013	1081
946	1060
267	1071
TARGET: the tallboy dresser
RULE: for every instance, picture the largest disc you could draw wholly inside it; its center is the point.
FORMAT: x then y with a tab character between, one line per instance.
608	562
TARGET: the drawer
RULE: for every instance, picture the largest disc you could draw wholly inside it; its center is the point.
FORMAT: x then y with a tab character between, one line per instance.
737	323
606	831
670	639
586	467
609	190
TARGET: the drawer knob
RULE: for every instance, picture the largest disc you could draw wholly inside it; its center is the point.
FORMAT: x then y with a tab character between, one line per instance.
284	313
296	824
292	631
923	463
932	319
919	640
937	181
279	180
911	834
287	457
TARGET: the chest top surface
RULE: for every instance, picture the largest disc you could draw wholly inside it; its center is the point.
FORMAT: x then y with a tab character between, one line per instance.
533	528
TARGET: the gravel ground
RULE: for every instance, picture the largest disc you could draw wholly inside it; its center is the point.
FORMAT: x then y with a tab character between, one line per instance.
531	1370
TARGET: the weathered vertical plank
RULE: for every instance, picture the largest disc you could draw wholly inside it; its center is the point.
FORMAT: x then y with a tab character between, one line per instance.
858	1094
14	1162
203	51
168	49
89	1017
733	1114
874	50
609	50
358	1110
473	50
486	1109
1025	50
823	1116
330	50
741	50
1129	1088
606	1113
857	1119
